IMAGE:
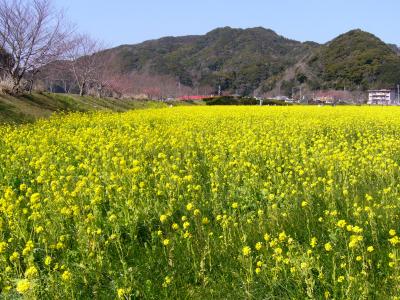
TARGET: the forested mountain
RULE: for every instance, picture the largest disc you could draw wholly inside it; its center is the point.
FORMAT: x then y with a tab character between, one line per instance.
356	60
257	59
237	59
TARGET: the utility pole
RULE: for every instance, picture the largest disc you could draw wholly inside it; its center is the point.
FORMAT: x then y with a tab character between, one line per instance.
300	94
398	94
219	90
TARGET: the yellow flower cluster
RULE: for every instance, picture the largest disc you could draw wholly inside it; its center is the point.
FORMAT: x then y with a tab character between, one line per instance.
298	202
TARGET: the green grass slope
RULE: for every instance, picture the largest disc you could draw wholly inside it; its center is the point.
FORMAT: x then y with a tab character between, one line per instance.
28	108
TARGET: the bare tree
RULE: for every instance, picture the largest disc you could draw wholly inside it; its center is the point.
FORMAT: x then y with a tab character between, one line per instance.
56	76
113	84
33	34
85	62
161	87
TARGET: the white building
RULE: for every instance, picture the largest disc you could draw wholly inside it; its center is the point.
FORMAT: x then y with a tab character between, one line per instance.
383	97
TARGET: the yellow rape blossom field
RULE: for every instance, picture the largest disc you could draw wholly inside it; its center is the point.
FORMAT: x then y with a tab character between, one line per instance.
202	203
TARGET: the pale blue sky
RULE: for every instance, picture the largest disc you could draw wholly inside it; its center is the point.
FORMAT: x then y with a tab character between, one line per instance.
131	21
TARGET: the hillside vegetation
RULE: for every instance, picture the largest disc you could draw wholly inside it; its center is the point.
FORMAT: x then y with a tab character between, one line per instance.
28	108
356	60
245	60
237	59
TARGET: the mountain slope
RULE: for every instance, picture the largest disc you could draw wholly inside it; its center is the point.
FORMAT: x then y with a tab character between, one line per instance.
237	59
356	59
257	59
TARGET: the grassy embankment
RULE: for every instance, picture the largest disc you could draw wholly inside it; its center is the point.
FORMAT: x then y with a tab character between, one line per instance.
29	108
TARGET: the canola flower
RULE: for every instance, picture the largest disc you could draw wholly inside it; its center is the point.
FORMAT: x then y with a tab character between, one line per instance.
66	276
190	202
246	251
23	286
328	247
